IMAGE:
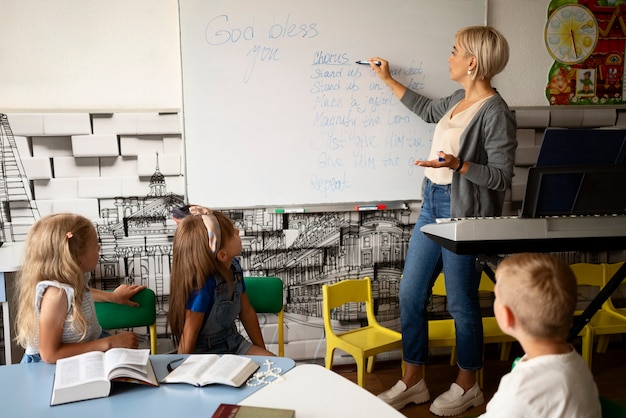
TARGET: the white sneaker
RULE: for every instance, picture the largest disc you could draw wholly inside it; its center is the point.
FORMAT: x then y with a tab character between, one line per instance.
399	396
456	401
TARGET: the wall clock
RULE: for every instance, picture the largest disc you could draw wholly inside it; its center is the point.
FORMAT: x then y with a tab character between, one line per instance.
571	34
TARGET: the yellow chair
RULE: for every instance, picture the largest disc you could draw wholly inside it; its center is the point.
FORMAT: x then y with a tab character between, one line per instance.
116	316
266	296
609	270
361	343
614	317
604	322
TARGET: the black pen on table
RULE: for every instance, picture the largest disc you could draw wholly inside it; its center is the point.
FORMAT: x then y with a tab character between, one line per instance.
170	365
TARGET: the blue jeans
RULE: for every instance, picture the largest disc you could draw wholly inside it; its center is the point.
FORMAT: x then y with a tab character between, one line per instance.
424	261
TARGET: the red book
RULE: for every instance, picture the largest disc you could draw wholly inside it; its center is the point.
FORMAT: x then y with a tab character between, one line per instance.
226	410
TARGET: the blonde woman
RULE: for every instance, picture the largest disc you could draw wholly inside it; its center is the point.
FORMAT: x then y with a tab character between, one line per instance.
467	173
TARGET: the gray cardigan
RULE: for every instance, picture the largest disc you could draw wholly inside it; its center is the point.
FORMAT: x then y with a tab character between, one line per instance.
488	143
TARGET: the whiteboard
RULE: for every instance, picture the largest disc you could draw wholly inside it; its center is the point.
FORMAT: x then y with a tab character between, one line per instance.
277	113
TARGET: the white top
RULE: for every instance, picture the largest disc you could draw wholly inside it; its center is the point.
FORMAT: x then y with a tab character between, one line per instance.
94	329
550	386
447	138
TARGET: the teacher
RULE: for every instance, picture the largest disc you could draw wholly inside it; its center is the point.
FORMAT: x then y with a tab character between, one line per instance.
469	168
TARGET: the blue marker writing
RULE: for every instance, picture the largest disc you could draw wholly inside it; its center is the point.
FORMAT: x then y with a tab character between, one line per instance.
365	62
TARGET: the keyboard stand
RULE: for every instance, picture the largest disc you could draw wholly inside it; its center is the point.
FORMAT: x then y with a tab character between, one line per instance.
503	246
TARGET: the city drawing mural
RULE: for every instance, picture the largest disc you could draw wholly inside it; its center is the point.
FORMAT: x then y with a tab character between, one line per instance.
304	250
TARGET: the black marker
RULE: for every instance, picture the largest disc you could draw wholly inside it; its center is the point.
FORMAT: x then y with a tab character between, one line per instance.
362	62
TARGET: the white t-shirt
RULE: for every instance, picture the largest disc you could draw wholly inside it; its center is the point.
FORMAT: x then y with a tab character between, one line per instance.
447	138
555	386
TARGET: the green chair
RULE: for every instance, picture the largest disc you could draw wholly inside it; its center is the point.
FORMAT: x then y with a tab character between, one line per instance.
116	316
266	296
613	409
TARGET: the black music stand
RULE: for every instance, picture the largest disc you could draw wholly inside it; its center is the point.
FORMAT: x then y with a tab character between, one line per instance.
575	190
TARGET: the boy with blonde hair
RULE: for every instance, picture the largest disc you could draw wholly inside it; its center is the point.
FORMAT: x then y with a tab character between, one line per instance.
536	296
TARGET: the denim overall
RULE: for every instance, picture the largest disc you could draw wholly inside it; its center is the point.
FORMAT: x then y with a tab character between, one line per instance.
219	333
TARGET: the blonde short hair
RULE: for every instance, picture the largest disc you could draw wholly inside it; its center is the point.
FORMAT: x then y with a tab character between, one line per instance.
541	291
488	46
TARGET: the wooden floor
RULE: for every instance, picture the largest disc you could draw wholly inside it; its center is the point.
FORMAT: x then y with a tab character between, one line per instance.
609	370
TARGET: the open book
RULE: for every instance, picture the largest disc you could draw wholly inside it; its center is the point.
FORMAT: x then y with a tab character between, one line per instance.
89	375
206	369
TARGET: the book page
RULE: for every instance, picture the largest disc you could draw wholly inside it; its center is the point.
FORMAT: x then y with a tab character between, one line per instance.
126	357
192	369
79	369
230	369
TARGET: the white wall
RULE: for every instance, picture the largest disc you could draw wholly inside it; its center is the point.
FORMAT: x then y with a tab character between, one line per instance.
523	81
117	55
89	55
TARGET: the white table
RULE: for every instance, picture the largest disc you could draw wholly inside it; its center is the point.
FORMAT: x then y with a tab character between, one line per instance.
316	392
11	254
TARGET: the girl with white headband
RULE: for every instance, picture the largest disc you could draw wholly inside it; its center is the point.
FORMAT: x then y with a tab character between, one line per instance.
207	291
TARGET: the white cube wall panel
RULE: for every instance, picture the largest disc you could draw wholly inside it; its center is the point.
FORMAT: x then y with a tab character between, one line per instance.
270	333
26	124
532	118
76	167
143	123
104	145
175	184
99	187
567	118
134	186
66	123
118	166
134	146
539	137
44	206
52	146
599	117
518	187
56	188
526	156
310	328
525	137
173	144
115	123
621	118
37	168
89	208
23	148
309	350
169	164
155	123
